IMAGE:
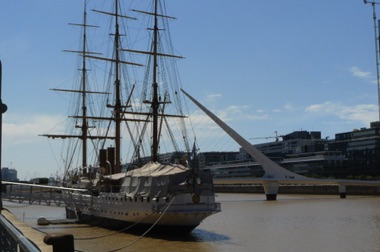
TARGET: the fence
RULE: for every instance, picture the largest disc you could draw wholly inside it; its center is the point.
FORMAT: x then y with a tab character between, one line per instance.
11	239
32	194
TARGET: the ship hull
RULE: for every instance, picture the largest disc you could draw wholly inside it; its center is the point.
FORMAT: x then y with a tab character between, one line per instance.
179	214
131	226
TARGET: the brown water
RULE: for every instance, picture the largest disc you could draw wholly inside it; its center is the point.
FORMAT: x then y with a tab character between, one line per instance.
247	223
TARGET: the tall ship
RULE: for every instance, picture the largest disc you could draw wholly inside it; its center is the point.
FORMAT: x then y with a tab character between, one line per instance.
128	175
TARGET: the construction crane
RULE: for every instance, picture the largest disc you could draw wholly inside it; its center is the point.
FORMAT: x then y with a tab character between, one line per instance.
268	137
377	41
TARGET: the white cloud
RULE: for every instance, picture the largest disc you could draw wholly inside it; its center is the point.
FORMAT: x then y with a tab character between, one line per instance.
235	112
363	113
20	128
257	117
325	107
237	109
213	96
357	72
231	113
286	107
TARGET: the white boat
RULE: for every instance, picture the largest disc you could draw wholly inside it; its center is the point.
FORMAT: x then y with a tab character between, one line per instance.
170	194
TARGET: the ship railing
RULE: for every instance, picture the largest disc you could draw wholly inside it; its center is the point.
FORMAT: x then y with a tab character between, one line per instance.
11	239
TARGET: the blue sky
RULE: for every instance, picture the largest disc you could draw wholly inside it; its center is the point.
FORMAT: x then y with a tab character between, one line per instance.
262	66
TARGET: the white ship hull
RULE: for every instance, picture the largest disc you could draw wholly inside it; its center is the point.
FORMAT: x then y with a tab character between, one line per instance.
154	195
183	211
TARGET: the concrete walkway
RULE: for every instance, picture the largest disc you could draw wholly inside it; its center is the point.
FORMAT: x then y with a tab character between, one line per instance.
35	236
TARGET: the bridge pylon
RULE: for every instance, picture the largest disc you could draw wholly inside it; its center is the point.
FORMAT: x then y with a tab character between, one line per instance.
270	189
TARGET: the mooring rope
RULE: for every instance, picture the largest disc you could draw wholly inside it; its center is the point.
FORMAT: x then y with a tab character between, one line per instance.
147	231
113	233
126	228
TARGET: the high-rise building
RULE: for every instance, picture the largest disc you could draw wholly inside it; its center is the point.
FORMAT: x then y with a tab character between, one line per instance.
361	147
8	174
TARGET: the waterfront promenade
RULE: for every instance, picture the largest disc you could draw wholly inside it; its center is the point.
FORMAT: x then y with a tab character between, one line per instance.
30	233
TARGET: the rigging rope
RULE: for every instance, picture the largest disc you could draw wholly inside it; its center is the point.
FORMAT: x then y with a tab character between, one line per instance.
147	231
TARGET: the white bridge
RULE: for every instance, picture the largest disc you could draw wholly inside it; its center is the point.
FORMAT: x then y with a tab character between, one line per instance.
274	173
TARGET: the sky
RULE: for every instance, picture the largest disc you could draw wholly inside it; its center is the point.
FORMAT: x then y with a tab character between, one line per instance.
262	66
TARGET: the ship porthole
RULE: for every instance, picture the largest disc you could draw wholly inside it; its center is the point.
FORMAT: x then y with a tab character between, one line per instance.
196	199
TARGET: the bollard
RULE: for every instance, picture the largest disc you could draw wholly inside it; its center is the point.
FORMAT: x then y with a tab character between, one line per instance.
61	242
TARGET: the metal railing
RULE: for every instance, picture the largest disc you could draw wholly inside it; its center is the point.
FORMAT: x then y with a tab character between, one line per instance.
31	194
11	239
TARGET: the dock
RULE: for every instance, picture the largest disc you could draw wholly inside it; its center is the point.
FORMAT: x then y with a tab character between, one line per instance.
30	234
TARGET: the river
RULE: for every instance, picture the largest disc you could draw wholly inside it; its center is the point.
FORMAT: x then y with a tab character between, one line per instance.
247	223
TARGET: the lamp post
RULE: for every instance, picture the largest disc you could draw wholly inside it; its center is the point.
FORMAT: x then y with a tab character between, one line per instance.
3	109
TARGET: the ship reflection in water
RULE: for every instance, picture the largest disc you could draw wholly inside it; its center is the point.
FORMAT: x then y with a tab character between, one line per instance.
247	223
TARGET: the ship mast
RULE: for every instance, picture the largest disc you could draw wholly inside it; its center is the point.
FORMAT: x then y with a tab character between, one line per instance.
118	112
117	115
84	126
117	106
155	102
83	92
